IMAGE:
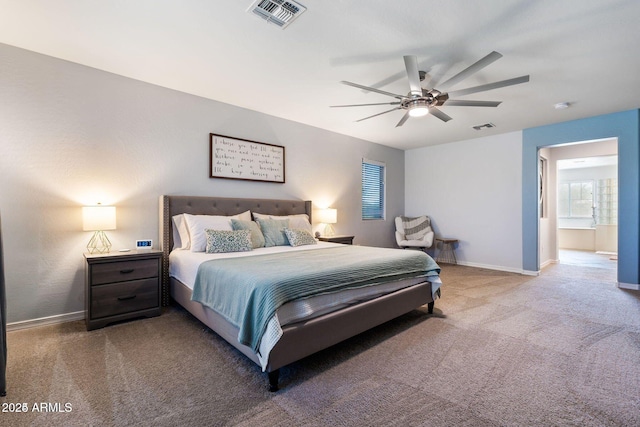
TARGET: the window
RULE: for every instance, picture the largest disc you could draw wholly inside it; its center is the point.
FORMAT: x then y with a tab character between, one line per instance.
607	202
373	176
575	199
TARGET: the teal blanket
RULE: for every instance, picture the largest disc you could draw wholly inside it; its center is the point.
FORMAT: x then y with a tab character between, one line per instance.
247	291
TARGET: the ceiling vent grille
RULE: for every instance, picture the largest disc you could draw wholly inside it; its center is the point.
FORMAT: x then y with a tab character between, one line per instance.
484	126
279	12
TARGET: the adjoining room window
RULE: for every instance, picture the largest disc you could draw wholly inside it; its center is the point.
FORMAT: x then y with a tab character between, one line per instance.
575	199
607	202
373	183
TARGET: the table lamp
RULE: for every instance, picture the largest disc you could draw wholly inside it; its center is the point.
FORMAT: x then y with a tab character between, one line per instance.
328	216
99	218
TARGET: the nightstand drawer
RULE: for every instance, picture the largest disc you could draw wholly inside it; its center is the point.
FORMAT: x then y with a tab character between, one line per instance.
345	240
121	271
126	297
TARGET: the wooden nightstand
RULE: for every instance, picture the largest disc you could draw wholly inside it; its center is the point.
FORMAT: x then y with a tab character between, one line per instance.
121	286
345	240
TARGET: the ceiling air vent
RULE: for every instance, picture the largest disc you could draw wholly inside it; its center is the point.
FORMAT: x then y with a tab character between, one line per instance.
484	126
279	12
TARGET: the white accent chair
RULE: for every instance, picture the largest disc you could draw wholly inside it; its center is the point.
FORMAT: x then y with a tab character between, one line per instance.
423	244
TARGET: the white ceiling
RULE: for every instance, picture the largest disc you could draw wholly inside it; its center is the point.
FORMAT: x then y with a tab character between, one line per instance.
583	52
587	162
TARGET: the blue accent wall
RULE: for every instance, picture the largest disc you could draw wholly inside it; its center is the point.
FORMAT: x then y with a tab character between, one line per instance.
626	127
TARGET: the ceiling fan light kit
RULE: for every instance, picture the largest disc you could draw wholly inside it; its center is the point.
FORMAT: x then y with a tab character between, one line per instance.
418	111
422	101
418	108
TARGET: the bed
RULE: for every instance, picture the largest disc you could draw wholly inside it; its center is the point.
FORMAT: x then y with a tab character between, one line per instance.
299	336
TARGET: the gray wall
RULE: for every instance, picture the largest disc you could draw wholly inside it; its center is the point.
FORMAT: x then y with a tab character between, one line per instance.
71	136
472	191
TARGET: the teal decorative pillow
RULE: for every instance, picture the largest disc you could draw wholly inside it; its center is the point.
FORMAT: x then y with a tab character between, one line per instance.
219	241
257	238
273	231
299	237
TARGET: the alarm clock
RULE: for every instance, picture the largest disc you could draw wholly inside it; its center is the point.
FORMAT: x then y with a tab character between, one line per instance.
144	244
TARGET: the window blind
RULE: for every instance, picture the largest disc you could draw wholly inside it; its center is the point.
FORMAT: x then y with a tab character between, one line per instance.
373	177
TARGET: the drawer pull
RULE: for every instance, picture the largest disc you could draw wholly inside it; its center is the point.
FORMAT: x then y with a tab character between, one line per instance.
126	298
130	270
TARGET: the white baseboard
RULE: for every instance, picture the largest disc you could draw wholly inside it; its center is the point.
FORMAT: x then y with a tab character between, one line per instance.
492	267
43	321
531	272
631	286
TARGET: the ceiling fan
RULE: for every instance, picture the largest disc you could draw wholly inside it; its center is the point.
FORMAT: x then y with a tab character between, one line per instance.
420	102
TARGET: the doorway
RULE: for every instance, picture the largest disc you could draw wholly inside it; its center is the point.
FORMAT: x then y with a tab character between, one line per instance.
578	204
587	211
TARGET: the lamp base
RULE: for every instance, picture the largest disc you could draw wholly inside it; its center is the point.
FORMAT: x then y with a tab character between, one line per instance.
328	231
99	243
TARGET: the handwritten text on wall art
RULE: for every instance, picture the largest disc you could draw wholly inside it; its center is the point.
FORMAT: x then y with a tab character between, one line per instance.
234	158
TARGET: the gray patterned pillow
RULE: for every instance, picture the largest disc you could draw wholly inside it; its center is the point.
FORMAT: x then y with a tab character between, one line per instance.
219	241
299	237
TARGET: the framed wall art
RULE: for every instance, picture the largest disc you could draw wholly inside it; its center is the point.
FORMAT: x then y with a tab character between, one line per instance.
235	158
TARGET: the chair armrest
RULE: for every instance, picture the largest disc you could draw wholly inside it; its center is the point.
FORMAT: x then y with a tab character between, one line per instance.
399	237
428	238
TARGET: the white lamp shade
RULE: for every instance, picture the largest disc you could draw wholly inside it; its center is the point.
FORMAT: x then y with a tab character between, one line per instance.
328	216
98	218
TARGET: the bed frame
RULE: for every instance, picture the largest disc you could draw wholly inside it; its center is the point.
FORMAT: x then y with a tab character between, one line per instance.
299	339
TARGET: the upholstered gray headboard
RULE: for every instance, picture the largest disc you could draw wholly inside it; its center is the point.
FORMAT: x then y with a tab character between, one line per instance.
199	205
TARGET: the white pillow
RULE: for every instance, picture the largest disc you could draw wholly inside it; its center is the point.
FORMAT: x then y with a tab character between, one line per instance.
244	216
180	233
299	221
197	224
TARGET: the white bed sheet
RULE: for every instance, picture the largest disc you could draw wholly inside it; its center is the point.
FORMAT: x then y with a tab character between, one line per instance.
183	266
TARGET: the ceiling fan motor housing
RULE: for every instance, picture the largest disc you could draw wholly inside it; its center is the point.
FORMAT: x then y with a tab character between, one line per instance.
424	102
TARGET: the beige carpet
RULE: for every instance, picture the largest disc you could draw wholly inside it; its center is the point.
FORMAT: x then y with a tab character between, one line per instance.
562	349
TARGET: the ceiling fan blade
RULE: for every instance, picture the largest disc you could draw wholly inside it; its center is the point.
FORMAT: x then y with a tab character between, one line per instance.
439	114
365	105
379	114
411	64
463	103
403	119
472	69
490	86
372	89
